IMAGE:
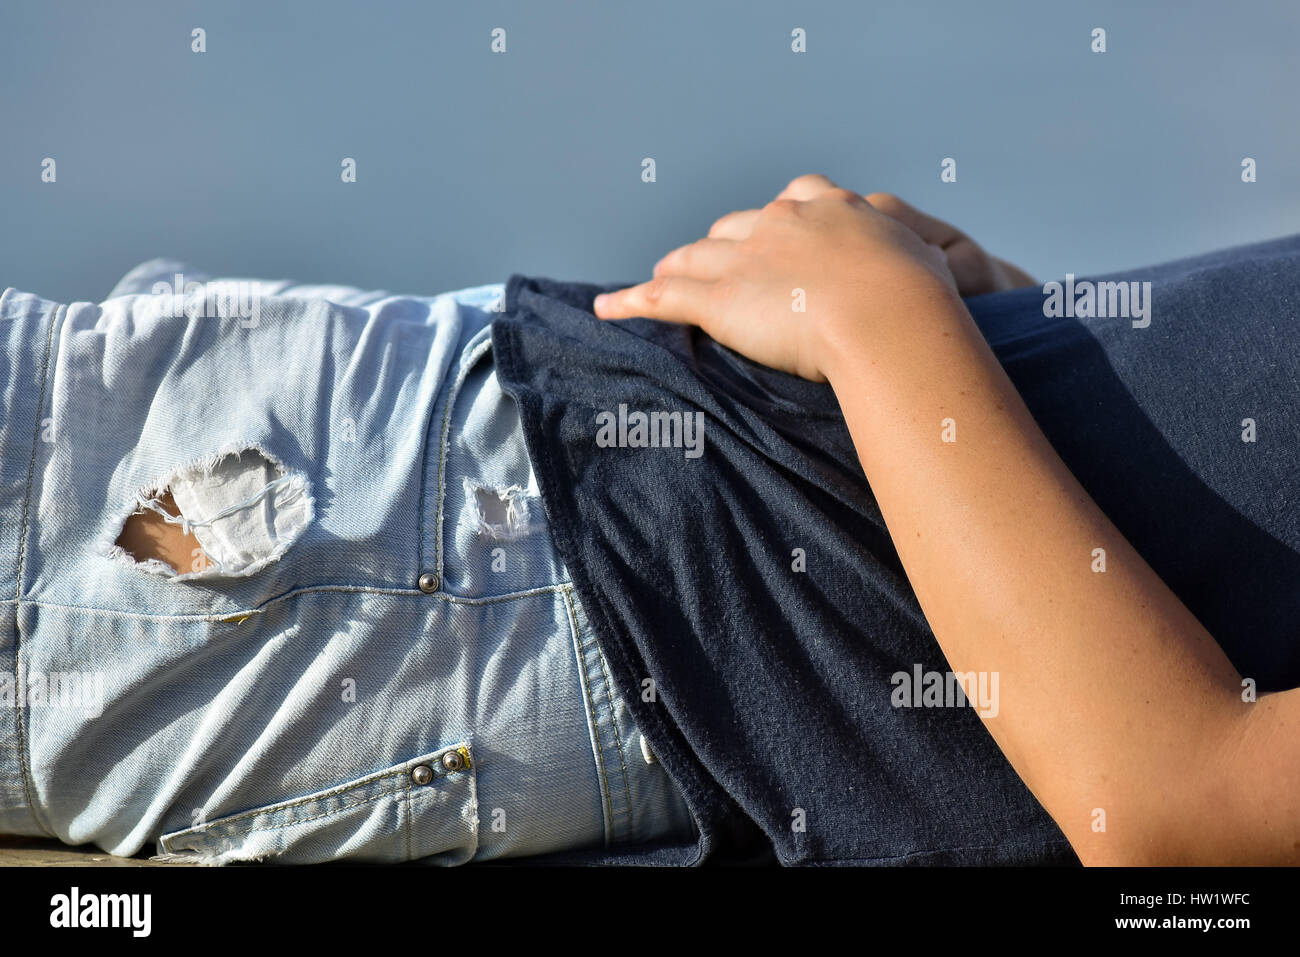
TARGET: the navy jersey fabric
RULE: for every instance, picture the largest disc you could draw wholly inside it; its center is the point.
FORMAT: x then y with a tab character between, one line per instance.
750	600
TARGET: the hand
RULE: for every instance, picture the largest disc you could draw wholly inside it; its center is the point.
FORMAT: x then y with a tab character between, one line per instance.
975	271
850	264
855	263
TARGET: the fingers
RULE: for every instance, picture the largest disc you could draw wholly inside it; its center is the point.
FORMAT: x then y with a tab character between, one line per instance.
1019	278
670	298
806	187
686	280
933	231
735	226
703	259
740	224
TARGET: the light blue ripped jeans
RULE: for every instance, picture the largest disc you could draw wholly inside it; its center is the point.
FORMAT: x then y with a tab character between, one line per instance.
375	655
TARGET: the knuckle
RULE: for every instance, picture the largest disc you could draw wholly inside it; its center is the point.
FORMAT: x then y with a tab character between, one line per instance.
807	181
653	291
721	223
673	260
966	253
723	291
782	207
679	260
844	195
884	201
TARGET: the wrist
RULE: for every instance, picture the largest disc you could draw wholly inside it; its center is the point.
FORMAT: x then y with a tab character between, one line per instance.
878	336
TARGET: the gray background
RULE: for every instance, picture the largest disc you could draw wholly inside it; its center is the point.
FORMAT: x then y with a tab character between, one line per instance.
474	165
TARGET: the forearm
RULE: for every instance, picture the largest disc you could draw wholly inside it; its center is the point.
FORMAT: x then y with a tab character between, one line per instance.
1112	695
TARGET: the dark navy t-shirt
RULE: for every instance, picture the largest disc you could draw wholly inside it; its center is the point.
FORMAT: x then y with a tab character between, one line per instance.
751	603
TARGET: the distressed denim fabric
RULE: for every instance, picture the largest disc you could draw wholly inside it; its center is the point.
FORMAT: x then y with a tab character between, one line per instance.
377	655
757	586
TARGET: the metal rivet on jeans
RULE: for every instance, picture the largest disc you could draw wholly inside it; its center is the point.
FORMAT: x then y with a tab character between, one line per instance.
453	761
422	775
428	583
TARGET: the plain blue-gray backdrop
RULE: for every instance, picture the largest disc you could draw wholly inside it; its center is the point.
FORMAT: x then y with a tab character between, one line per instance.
473	165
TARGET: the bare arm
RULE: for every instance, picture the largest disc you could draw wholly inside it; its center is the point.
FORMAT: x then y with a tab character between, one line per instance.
1112	695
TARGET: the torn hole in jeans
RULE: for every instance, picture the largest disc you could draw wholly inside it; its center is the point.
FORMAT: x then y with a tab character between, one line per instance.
228	515
497	513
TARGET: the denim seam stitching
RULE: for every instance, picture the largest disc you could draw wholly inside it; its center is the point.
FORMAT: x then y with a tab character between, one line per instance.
430	418
618	733
468	362
333	792
290	805
607	802
217	829
225	616
338	810
19	725
473	799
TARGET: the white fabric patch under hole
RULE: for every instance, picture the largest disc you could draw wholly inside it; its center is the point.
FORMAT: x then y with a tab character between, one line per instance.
251	535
